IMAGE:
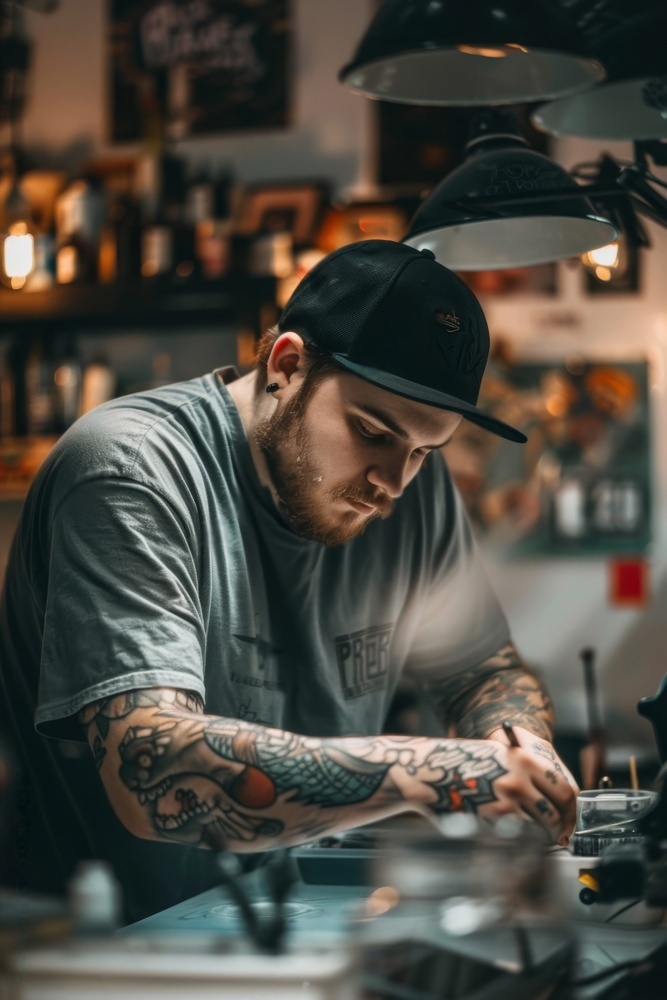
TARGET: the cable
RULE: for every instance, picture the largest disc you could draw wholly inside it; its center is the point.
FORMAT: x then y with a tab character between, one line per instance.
655	180
605	973
398	991
622	910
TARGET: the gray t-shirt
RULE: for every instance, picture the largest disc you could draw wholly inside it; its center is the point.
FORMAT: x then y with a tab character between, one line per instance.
149	554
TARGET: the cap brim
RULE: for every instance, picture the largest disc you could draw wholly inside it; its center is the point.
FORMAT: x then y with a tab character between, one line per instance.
425	394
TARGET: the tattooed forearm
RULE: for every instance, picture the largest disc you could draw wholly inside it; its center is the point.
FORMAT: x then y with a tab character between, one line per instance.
201	780
475	702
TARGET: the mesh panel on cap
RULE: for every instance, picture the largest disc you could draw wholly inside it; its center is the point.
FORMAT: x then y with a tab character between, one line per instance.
336	299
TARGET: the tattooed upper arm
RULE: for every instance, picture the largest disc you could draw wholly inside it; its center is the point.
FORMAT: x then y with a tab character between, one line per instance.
98	717
474	702
108	721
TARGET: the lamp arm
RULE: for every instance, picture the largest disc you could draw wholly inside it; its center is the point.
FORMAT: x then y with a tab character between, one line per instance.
644	195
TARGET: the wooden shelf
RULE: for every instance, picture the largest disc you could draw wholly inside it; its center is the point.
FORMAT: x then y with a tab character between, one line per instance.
20	458
102	307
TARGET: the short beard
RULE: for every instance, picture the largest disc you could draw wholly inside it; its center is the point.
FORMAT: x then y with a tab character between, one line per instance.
303	508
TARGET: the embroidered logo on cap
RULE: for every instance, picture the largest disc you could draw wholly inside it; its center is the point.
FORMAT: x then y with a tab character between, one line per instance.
464	353
448	319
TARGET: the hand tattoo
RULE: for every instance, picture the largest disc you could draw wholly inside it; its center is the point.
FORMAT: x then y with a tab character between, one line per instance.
465	776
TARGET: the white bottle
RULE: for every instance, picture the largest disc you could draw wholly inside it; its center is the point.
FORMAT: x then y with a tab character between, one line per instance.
98	385
95	898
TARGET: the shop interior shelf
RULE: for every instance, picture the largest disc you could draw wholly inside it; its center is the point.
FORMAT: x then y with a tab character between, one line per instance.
134	305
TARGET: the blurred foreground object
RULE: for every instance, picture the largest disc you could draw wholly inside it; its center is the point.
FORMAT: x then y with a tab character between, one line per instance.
468	911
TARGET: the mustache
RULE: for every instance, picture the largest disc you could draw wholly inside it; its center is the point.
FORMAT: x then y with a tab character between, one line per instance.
358	494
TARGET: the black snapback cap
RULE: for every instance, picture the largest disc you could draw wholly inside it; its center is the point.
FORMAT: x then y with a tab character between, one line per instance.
396	317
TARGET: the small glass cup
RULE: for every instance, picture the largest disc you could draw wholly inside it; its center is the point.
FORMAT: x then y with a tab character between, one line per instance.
609	816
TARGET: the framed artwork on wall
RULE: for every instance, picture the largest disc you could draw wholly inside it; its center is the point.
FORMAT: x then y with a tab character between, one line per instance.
582	483
295	208
208	67
417	146
613	270
539	280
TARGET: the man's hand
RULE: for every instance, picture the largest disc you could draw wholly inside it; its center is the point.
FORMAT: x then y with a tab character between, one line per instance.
554	778
492	780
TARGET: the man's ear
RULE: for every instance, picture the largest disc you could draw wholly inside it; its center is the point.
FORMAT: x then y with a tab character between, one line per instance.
285	359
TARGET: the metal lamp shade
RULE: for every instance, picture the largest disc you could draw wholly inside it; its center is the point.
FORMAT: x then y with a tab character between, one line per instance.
465	236
633	103
614	111
453	52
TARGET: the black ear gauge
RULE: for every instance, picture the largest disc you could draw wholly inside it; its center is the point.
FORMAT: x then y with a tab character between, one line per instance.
272	387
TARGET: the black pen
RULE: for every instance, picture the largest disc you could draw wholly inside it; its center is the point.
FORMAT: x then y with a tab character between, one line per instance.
511	735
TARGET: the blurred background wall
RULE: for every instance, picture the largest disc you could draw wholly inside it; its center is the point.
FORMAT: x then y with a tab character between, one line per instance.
555	605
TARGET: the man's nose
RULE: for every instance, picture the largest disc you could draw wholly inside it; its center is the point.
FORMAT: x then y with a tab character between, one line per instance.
390	477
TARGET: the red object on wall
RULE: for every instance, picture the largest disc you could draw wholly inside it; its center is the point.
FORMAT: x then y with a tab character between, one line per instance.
629	582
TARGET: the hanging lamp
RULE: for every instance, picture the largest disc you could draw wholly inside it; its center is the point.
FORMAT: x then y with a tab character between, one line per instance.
456	52
506	206
632	104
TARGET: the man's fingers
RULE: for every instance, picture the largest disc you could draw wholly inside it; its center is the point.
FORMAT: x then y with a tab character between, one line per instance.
545	751
542	790
547	815
550	778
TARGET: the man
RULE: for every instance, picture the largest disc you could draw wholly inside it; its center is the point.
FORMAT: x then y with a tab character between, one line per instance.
219	584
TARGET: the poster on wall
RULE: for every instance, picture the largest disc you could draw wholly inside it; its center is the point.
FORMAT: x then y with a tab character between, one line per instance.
201	66
582	483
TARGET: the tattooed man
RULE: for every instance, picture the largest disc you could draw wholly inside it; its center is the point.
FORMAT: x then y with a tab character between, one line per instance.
219	583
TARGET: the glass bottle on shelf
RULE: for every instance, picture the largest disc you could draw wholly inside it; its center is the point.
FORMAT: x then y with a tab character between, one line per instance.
80	214
185	265
18	245
40	396
67	386
119	254
210	210
155	180
7	394
98	383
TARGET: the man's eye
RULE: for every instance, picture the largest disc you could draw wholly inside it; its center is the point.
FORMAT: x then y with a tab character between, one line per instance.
369	433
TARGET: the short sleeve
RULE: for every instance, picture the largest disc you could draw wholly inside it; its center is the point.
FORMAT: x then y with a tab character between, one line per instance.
459	619
122	601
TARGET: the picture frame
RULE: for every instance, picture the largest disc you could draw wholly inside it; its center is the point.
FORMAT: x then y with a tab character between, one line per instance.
582	483
418	145
539	280
295	207
362	220
204	68
623	277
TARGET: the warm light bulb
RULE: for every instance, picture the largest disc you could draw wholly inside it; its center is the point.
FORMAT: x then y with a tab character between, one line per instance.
606	256
19	253
483	50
